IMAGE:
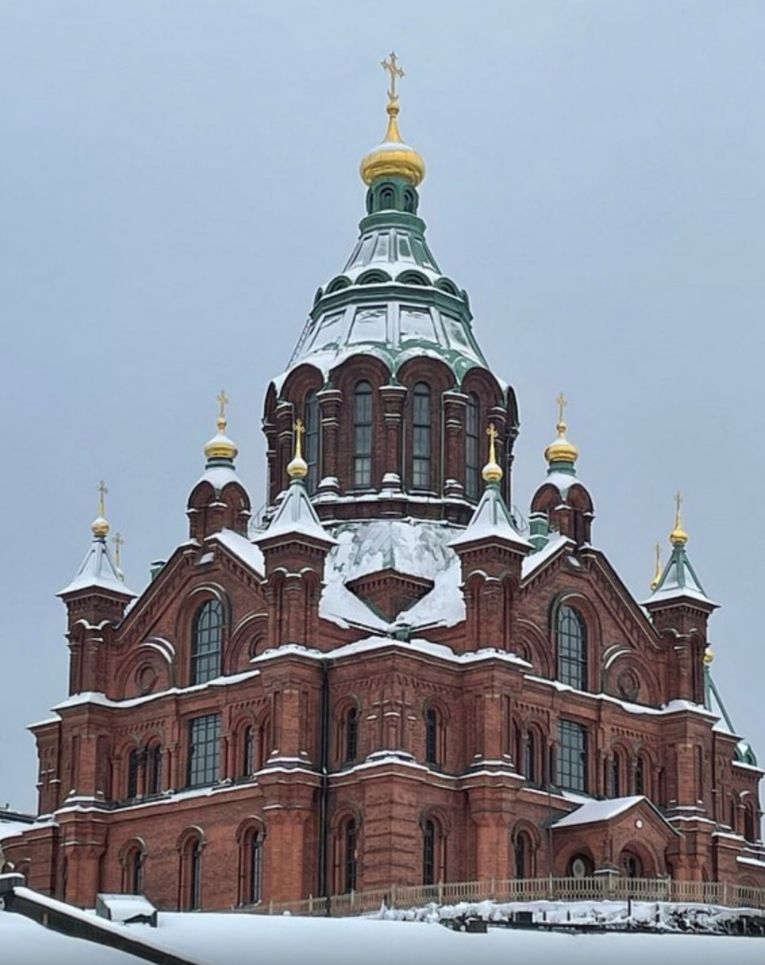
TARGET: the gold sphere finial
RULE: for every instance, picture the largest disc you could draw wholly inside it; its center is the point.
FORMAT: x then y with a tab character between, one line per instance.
678	536
297	468
709	657
492	471
393	158
100	526
220	446
561	450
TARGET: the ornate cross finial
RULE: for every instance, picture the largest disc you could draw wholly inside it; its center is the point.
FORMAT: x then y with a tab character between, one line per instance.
298	467
119	542
223	401
102	493
678	509
395	72
562	403
492	471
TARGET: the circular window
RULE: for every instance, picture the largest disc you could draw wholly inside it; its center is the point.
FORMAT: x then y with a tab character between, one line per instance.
580	866
146	679
628	685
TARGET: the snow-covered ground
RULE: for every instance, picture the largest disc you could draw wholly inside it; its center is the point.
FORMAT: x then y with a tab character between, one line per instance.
23	942
241	939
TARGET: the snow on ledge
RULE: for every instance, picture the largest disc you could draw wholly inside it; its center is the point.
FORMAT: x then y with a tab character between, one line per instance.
594	811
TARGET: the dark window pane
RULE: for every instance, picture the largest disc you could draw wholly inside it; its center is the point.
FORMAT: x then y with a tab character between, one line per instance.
429	853
431	736
572	757
572	649
204	749
206	643
312	440
362	435
421	437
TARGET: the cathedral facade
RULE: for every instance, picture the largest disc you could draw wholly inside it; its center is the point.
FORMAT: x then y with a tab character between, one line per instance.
390	679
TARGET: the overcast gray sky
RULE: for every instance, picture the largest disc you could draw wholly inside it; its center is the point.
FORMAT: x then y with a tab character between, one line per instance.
176	179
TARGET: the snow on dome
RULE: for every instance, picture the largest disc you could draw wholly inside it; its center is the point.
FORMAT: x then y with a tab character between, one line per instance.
491	520
296	515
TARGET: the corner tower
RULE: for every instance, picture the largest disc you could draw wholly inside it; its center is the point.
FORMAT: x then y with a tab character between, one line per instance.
387	375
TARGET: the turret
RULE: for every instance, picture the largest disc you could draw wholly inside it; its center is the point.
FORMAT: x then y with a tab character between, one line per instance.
219	500
562	503
95	601
295	548
491	552
680	610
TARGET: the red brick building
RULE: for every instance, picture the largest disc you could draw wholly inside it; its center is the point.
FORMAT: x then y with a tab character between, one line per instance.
390	679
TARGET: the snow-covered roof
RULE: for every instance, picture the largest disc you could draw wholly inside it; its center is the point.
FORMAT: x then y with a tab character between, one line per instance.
594	811
9	829
98	570
220	476
490	521
295	515
535	561
563	481
679	581
241	547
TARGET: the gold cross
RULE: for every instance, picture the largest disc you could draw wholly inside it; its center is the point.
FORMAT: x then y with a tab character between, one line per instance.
223	400
678	508
299	430
561	400
102	491
119	542
492	433
395	71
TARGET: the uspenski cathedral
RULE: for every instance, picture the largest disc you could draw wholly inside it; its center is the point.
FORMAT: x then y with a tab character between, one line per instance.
389	679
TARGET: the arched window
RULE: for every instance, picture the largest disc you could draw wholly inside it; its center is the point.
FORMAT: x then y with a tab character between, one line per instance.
248	748
134	766
524	856
429	852
616	784
351	734
312	440
572	649
431	736
251	867
135	872
530	759
421	437
749	823
387	198
362	435
632	866
472	447
580	866
207	642
154	769
351	856
640	783
264	742
190	898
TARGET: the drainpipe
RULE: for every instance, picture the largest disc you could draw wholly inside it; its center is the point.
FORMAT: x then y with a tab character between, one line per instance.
324	797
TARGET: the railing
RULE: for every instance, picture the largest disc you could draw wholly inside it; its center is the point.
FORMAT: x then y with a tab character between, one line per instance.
596	888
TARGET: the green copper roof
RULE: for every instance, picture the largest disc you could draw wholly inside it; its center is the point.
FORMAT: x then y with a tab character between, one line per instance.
391	300
679	580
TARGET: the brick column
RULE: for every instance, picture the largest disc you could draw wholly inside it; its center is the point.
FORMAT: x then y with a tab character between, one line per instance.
330	401
393	399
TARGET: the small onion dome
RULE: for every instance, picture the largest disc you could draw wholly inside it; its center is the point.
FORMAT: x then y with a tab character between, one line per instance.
678	536
297	467
220	446
99	527
708	657
492	471
561	450
393	158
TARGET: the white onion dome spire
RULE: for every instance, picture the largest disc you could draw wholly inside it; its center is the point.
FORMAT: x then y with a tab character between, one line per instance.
220	450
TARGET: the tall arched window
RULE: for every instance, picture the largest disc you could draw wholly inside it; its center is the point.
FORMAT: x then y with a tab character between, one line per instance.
312	440
524	855
362	435
248	749
207	642
749	823
135	872
431	736
134	766
351	856
530	758
640	784
421	437
429	852
351	735
472	447
572	649
153	769
251	867
190	898
616	784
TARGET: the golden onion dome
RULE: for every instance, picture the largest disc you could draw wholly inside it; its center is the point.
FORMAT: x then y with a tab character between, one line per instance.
561	450
492	471
678	536
709	657
100	527
220	446
393	158
297	467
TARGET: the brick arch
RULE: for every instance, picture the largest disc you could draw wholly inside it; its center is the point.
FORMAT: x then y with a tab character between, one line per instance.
300	381
240	649
521	829
530	634
629	661
360	368
148	654
341	711
189	607
438	377
254	822
563	856
645	853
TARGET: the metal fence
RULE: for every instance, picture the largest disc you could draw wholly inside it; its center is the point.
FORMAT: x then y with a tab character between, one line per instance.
598	888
